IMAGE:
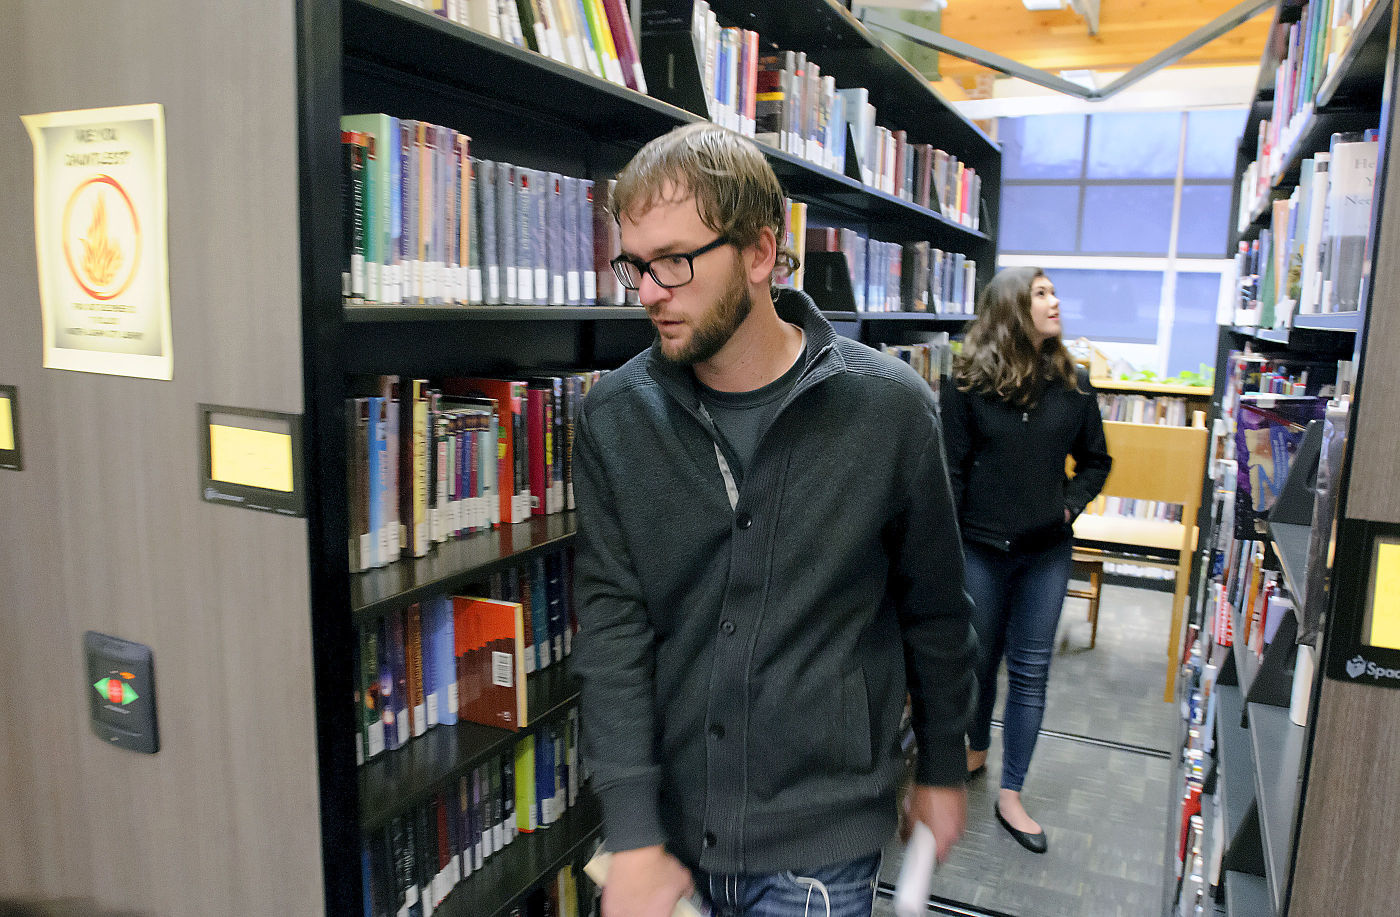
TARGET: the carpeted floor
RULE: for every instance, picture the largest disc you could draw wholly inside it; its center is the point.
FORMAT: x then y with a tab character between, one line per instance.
1104	809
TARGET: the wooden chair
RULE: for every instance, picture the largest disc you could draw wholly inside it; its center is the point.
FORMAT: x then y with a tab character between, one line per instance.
1150	462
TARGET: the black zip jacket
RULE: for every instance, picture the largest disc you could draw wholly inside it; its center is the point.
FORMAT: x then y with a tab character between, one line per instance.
744	667
1007	465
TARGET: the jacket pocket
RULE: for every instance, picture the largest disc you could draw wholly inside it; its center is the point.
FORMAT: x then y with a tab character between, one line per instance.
807	733
855	720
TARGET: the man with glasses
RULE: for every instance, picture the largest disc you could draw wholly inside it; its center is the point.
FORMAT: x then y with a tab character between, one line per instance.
767	561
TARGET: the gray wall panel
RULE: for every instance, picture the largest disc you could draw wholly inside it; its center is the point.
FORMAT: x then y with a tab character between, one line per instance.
105	530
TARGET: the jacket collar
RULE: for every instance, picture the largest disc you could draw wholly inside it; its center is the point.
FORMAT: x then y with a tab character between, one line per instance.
823	357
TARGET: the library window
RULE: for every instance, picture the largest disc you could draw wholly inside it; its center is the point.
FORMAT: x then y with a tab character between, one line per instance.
1130	212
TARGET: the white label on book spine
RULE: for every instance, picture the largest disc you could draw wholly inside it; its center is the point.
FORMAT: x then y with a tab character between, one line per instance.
502	670
401	724
411	894
571	287
452	696
493	283
366	551
569	492
420	719
345	284
432	705
510	283
375	732
590	286
357	275
541	283
558	297
525	284
474	284
498	832
372	290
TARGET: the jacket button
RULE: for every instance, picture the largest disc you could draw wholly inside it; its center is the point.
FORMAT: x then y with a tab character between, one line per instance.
727	626
716	731
743	520
710	840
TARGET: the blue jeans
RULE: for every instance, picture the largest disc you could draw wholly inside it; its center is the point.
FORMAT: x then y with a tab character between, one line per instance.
842	890
1018	598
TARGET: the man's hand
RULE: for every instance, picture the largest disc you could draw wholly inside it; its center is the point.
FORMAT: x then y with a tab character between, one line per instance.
645	882
944	810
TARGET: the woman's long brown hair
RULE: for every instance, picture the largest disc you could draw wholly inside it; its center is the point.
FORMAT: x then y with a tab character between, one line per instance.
998	354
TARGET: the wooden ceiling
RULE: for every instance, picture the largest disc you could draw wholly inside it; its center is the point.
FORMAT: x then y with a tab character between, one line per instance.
1130	32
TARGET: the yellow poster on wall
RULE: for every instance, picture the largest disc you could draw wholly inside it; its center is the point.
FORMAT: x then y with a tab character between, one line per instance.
100	239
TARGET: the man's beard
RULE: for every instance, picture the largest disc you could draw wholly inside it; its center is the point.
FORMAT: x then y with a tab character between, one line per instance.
717	326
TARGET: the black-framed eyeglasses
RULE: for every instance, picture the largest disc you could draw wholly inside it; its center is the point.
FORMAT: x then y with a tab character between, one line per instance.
669	271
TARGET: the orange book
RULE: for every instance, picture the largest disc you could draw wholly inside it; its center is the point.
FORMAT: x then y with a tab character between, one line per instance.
494	660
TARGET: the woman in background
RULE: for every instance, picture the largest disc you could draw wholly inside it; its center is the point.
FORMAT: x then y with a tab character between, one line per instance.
1017	406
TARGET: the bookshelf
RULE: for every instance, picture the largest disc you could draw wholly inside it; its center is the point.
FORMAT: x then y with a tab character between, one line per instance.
524	108
106	528
1299	801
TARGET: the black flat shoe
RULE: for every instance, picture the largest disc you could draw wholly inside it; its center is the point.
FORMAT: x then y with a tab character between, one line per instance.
976	772
1035	843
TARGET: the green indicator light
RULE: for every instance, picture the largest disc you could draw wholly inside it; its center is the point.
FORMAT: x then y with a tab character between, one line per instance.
101	686
128	695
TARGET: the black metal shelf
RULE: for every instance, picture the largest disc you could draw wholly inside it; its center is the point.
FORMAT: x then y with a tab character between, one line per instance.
526	862
1360	71
1291	546
925	318
1278	761
390	41
848	51
456	564
1235	788
1325	336
398	781
391	313
1246	895
1349	322
393	35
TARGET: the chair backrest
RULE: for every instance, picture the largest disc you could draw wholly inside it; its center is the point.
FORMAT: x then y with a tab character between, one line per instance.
1153	462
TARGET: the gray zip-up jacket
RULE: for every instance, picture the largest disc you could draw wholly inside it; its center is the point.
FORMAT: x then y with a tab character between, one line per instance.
744	667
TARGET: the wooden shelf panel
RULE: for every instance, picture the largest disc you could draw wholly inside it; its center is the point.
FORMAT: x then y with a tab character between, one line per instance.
398	781
1151	388
456	564
1278	763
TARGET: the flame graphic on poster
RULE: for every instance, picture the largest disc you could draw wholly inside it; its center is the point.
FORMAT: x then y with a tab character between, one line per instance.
101	257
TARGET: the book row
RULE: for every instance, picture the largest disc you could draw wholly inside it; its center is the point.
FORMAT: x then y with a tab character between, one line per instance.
431	462
1311	256
594	36
782	98
1243	586
1308	50
426	223
420	857
463	657
1162	410
890	276
932	359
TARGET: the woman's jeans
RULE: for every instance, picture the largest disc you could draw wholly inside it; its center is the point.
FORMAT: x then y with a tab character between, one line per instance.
1018	597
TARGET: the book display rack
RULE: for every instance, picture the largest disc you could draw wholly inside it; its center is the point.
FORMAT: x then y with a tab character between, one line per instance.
1284	720
535	111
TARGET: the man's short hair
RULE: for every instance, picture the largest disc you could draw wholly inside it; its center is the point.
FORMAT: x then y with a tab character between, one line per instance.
735	190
